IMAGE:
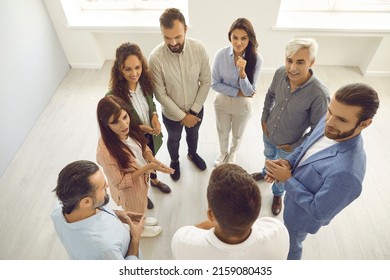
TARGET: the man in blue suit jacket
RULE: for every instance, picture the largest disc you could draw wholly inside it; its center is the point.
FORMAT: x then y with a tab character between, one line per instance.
325	174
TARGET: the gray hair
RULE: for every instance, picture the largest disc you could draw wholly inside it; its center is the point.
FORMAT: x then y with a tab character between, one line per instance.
302	43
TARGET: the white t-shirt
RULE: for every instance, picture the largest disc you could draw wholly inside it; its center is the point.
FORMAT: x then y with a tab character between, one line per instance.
321	144
137	150
269	240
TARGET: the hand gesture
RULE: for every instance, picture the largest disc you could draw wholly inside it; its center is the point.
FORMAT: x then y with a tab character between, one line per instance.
136	224
190	120
156	125
278	170
126	216
241	63
164	169
146	129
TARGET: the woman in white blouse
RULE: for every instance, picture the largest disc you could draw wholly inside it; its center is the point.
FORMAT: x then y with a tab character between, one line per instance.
131	80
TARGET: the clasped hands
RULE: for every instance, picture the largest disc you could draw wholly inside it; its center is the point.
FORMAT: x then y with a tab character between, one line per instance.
155	129
190	120
277	170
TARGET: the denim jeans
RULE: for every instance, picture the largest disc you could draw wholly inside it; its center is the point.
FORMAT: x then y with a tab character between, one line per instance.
175	129
273	152
150	145
296	239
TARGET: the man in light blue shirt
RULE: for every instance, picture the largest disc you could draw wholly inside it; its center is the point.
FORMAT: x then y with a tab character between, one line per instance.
86	227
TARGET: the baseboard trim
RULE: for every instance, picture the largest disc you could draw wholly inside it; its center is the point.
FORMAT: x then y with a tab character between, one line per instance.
86	65
377	73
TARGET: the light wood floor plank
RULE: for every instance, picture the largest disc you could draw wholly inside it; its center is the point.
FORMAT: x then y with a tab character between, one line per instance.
67	131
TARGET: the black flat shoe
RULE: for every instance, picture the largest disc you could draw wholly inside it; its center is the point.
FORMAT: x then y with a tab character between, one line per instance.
150	204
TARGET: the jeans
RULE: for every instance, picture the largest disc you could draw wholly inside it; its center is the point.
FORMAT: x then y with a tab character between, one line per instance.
296	239
273	152
150	145
174	129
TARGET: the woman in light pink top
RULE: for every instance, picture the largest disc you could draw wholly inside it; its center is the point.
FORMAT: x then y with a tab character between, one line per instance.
124	155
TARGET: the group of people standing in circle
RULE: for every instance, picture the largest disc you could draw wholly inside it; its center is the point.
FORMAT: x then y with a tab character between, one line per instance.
129	123
178	75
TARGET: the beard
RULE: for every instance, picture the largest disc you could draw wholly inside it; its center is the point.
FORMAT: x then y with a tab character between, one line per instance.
176	48
105	202
337	135
106	199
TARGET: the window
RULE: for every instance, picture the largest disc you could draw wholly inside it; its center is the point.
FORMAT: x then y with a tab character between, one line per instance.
135	15
337	5
335	15
131	4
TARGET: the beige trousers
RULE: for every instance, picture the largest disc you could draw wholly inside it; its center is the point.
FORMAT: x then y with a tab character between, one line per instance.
232	114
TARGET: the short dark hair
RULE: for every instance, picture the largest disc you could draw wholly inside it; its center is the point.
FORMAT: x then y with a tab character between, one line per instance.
73	184
234	198
169	16
361	95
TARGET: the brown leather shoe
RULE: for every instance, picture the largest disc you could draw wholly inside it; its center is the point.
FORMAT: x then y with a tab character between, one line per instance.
276	205
257	176
161	186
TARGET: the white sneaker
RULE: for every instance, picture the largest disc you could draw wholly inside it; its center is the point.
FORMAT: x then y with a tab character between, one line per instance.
232	157
151	231
150	221
220	159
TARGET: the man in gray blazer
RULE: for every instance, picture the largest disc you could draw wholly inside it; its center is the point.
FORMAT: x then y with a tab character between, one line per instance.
325	174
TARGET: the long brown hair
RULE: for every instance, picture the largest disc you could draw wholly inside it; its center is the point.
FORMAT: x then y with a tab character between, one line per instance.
113	106
118	84
250	51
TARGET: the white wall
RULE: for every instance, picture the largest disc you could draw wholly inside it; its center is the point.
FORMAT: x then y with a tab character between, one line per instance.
210	20
34	61
32	65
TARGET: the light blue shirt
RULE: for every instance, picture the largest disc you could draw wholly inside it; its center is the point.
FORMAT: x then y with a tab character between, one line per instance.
100	237
225	74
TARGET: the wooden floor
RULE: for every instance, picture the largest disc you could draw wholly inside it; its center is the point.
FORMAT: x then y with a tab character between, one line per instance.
67	131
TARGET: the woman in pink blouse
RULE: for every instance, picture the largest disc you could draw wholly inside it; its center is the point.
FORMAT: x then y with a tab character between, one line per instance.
125	157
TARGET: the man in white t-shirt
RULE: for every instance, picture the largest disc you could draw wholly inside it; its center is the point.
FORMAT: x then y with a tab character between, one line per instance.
233	229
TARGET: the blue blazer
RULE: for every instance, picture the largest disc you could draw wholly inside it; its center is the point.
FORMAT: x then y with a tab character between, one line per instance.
324	184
